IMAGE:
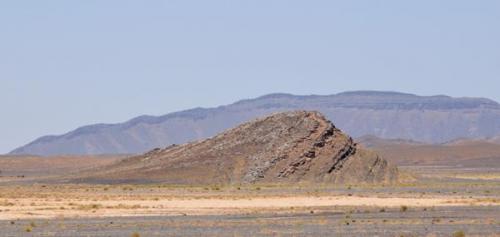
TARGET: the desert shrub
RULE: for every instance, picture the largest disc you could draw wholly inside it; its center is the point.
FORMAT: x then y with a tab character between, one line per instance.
90	207
436	220
404	208
135	234
216	188
459	234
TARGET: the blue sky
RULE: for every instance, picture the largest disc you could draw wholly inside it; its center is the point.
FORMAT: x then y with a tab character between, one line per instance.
64	64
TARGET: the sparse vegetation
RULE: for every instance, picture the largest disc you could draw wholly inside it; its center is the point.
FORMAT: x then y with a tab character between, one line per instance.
89	207
54	199
135	234
7	204
458	234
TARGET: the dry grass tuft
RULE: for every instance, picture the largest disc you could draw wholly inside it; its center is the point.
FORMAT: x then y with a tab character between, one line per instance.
459	234
135	234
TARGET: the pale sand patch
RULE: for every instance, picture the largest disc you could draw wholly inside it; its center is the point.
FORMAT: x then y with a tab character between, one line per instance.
70	208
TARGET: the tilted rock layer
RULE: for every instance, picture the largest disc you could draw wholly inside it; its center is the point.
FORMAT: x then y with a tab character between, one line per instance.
295	146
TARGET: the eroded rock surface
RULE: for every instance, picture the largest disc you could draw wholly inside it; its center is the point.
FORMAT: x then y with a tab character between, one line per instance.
297	146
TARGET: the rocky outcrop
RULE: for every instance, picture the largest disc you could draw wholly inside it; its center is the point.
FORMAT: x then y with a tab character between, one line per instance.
295	146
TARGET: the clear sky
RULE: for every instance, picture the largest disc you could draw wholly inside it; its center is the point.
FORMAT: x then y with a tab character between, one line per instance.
64	64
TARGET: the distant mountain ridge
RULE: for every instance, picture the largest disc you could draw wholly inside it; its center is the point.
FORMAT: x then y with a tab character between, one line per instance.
390	115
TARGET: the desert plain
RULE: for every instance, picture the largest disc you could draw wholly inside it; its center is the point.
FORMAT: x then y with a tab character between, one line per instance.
440	201
290	174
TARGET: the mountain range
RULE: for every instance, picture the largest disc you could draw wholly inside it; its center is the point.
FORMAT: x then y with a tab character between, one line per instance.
389	115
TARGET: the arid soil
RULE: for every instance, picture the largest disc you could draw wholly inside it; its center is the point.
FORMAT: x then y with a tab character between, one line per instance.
57	204
463	153
472	221
26	168
432	206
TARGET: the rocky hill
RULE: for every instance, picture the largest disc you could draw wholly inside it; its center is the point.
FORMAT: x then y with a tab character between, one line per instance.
295	146
390	115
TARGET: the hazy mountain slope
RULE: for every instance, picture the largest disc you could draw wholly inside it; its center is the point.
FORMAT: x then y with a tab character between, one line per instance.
495	139
32	167
384	114
371	141
462	153
297	146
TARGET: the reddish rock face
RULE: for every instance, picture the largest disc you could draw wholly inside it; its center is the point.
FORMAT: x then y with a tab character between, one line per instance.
295	146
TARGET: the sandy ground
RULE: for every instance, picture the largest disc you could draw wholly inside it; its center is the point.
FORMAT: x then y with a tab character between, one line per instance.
446	201
25	208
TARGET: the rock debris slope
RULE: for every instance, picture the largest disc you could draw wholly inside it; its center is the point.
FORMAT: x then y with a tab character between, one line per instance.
297	146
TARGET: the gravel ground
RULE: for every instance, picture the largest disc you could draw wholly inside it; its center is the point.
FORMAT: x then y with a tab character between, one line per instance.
473	221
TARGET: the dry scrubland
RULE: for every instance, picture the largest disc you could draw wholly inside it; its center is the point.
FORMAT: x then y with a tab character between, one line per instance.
70	201
433	206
